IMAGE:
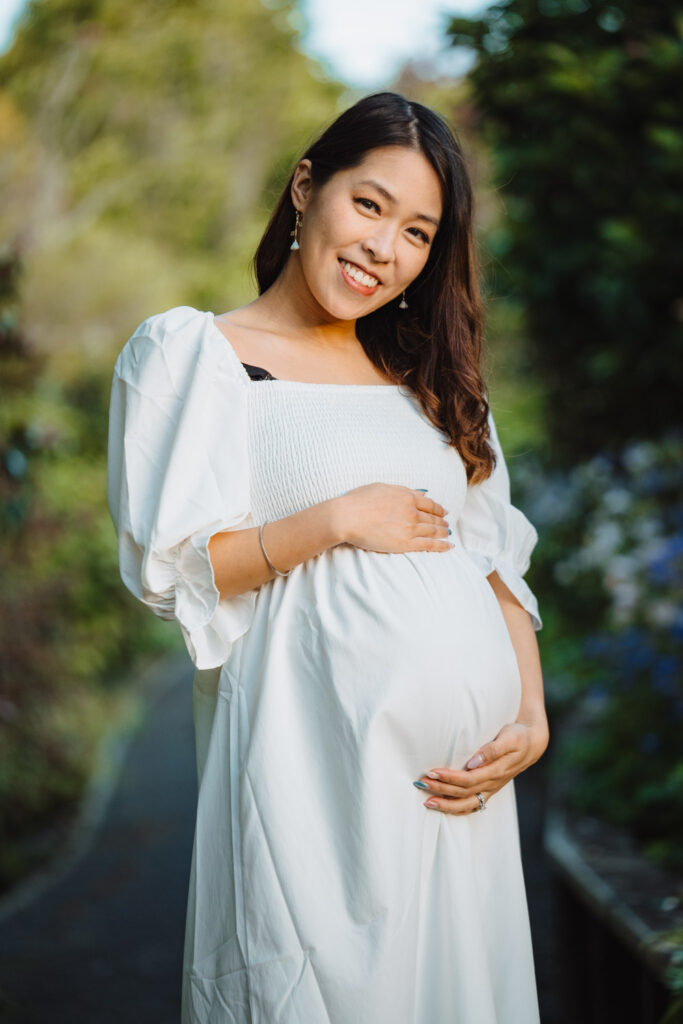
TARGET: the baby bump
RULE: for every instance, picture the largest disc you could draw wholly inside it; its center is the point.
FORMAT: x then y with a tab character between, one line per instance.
357	675
407	654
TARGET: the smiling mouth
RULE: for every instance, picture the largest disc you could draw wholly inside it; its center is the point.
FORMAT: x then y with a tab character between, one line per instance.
358	275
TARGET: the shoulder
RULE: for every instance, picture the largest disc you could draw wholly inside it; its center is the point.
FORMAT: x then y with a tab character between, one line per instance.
179	318
176	343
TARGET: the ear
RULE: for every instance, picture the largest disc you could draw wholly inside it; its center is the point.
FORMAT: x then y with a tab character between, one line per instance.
302	185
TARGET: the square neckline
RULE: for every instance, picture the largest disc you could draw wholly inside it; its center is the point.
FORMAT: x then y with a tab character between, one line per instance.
298	383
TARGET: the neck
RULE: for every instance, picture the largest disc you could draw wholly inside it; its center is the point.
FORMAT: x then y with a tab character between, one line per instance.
291	309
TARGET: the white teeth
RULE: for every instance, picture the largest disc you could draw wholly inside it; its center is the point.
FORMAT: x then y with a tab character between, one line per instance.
358	275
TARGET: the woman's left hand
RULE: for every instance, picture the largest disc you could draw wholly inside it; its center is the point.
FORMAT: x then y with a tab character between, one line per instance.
517	746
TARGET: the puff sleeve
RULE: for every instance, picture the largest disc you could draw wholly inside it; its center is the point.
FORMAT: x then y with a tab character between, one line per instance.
496	535
177	472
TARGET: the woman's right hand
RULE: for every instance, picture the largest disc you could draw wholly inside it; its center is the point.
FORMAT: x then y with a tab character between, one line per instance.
391	518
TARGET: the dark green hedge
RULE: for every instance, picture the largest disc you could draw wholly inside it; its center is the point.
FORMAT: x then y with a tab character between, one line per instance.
581	105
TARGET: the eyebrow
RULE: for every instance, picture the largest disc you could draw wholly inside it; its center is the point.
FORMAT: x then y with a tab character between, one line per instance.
392	199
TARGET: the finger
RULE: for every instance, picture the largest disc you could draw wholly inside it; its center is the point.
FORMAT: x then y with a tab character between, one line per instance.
469	785
430	544
475	778
434	528
426	504
425	524
466	805
486	754
443	788
432	788
430	517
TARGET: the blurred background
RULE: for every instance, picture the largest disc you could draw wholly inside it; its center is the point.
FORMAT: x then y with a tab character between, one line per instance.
142	145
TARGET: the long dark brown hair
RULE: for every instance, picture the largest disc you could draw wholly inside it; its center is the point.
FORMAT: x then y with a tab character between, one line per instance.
435	346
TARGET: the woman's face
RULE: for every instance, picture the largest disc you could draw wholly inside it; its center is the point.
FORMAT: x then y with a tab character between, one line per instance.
367	233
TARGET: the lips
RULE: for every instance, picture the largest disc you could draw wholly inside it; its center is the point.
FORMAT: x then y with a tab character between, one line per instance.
359	275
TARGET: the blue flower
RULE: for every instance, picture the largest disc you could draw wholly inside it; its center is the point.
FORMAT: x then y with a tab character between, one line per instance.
665	674
676	630
597	645
666	567
16	463
649	743
652	482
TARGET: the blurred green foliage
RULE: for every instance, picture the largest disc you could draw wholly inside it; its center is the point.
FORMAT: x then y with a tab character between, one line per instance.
67	628
141	149
141	145
514	391
579	102
611	556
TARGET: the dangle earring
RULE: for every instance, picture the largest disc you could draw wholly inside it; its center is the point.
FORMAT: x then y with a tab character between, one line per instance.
403	304
295	232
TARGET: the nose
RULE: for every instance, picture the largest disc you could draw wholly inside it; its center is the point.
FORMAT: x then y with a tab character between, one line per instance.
381	245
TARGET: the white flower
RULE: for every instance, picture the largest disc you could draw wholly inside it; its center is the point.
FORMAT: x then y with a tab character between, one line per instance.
661	613
646	529
617	500
621	569
604	539
551	506
625	596
565	572
639	457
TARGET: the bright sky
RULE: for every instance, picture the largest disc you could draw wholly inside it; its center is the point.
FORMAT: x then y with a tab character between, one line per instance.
9	9
362	42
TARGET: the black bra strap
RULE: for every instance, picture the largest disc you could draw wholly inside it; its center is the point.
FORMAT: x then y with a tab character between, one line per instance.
258	372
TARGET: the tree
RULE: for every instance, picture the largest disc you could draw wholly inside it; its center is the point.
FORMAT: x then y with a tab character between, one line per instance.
580	103
139	141
152	137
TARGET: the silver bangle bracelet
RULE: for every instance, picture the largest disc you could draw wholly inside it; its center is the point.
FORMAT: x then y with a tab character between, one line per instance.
265	553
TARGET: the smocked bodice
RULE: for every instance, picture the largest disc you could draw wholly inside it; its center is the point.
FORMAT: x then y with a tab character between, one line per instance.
311	442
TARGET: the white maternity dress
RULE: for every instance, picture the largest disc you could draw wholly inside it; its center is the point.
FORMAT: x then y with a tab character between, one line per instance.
322	891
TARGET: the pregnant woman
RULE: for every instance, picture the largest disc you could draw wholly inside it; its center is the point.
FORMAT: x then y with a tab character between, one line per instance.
312	486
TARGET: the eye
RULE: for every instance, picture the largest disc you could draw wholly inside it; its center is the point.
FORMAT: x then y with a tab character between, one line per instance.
421	234
370	202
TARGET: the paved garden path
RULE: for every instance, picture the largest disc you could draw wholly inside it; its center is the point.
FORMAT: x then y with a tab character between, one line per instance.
102	944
